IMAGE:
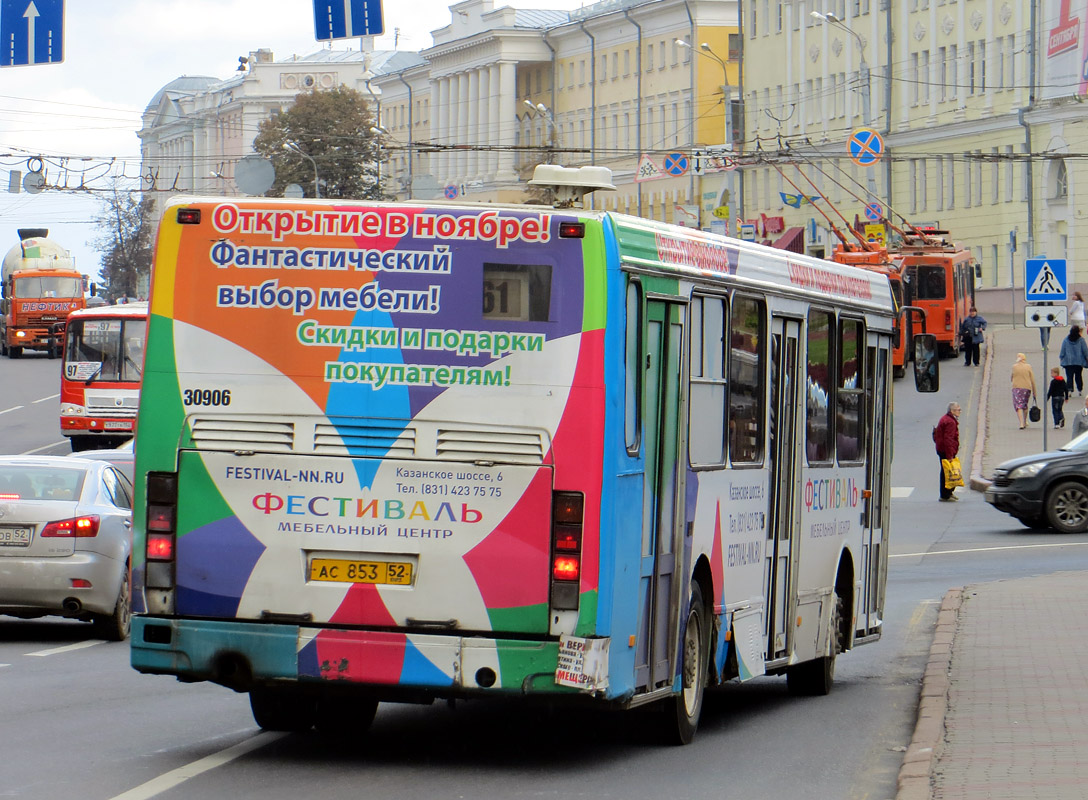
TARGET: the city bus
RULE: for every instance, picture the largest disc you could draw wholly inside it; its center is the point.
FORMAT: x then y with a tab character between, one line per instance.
101	373
940	279
414	451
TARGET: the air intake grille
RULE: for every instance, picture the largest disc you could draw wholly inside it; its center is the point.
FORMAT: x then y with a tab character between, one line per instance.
224	433
457	444
365	439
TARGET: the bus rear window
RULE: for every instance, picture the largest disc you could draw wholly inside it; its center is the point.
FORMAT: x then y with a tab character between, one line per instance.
930	282
519	292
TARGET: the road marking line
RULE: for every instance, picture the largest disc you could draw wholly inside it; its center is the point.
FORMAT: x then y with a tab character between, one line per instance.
987	549
13	408
902	491
43	447
68	648
5	665
51	397
178	776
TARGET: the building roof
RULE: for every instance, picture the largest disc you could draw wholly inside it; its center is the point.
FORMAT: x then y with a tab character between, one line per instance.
186	84
540	18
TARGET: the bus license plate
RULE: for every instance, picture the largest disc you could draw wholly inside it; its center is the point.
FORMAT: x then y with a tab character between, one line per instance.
118	425
397	573
14	537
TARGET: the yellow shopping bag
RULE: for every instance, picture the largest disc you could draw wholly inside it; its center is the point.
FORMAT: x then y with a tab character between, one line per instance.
952	475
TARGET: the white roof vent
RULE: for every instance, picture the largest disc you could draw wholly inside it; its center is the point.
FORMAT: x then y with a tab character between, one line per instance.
570	183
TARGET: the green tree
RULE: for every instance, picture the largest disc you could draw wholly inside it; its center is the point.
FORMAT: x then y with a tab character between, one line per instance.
126	225
333	128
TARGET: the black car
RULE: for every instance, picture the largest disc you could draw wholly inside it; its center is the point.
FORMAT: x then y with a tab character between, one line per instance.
1047	489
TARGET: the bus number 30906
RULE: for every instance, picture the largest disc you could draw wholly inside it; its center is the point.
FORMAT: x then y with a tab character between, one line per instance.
206	397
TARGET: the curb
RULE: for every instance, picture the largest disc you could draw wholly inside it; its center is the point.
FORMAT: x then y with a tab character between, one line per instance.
977	482
917	770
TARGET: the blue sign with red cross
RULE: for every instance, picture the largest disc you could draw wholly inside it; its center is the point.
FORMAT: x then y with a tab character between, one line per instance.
675	164
865	146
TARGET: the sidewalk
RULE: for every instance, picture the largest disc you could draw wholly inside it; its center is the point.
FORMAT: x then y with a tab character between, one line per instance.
1004	700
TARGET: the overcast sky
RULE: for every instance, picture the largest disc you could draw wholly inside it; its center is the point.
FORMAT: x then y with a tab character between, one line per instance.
117	55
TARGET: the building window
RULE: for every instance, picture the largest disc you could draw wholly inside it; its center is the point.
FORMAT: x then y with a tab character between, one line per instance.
1059	180
995	177
970	60
1010	173
649	57
942	75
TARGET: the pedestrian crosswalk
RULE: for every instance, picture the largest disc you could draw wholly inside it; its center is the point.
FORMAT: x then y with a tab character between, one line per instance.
899	492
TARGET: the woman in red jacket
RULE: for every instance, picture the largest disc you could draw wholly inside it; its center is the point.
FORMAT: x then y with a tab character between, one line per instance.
947	438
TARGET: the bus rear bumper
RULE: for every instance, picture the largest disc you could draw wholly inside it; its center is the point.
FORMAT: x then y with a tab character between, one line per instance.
242	654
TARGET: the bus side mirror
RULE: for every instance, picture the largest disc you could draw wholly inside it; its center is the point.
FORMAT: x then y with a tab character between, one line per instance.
927	377
978	270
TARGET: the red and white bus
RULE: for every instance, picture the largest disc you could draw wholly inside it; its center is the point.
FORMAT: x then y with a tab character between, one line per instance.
101	374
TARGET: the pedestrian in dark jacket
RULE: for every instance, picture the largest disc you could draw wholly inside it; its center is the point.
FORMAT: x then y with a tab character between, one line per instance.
971	336
1058	392
1074	357
946	436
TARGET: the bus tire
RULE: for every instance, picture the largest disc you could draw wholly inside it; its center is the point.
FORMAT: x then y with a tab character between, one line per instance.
694	656
343	717
815	678
282	709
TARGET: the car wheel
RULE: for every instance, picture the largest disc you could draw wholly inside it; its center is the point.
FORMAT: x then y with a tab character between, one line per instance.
115	627
1067	507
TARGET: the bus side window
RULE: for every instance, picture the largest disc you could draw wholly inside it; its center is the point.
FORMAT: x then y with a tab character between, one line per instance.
819	386
747	355
706	420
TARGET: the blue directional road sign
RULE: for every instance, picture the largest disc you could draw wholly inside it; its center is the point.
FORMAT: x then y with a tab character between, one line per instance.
1045	280
347	19
31	32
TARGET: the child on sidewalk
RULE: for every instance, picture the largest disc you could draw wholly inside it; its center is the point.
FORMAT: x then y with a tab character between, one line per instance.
1058	392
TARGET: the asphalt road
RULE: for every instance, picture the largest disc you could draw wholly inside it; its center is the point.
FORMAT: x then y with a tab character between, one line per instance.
75	720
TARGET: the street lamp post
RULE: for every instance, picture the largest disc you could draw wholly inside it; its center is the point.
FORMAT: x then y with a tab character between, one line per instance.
292	147
380	132
542	110
863	70
727	102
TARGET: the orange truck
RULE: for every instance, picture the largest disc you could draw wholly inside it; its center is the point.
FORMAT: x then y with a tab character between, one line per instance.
41	287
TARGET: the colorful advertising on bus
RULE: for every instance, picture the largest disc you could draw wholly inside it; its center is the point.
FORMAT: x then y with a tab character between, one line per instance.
460	451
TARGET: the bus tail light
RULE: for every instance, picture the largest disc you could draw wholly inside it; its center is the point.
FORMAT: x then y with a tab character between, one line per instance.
566	551
161	530
947	320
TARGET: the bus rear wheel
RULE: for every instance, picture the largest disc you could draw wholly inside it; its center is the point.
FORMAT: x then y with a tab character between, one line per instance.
816	677
282	709
694	654
343	717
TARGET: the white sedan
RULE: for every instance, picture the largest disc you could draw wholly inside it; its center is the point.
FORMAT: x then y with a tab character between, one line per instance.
65	541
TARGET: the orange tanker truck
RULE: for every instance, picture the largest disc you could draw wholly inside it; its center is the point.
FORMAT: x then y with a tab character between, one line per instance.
41	287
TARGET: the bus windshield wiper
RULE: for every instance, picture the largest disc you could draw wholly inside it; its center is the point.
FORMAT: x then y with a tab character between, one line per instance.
93	375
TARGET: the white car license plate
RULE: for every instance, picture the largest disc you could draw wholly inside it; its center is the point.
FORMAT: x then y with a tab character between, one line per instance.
118	425
14	537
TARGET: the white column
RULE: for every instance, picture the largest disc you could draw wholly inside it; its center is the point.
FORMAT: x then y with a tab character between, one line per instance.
440	126
485	136
497	127
507	91
472	125
456	132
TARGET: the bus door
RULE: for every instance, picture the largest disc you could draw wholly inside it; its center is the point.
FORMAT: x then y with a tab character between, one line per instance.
661	490
784	497
874	572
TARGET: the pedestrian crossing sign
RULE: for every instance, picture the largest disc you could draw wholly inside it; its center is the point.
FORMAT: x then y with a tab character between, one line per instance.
1045	280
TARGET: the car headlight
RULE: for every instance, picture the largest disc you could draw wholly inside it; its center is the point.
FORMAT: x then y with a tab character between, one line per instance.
71	410
1027	470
